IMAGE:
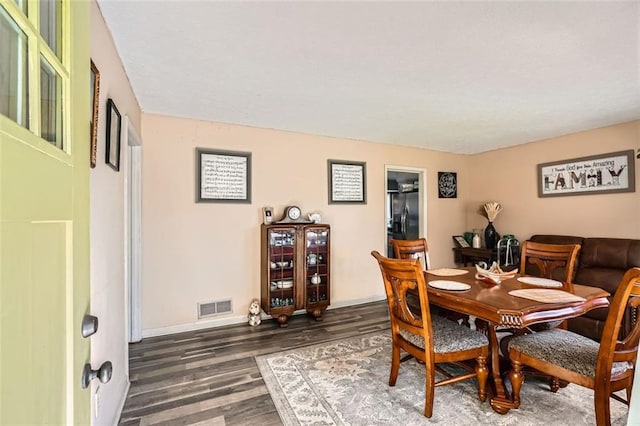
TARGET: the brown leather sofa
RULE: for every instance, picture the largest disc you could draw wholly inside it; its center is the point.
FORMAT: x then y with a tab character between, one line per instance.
601	263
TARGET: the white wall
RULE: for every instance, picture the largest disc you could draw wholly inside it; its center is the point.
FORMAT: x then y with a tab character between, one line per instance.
199	252
107	230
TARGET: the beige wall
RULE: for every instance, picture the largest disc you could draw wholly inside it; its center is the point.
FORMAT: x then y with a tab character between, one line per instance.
203	252
199	252
107	217
510	177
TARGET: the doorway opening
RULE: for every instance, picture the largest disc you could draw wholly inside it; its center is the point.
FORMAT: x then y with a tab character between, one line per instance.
133	234
405	204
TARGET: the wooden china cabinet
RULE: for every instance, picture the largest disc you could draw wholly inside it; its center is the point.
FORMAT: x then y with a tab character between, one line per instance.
295	269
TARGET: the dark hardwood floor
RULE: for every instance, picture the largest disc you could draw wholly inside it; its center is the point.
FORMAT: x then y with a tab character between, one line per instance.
210	377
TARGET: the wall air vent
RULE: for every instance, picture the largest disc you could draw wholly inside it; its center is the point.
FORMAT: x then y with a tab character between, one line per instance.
210	309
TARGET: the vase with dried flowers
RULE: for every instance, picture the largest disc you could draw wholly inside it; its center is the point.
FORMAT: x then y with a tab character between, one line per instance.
491	236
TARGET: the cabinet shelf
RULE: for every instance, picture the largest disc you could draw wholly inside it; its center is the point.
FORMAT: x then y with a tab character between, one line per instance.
299	252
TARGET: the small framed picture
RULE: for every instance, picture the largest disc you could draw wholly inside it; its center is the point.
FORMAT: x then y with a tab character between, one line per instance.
447	185
460	241
113	136
267	215
95	102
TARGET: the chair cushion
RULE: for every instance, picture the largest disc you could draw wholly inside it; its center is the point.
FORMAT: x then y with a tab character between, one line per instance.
448	336
565	349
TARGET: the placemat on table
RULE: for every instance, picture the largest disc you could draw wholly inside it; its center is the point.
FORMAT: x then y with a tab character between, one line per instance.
547	295
540	282
447	272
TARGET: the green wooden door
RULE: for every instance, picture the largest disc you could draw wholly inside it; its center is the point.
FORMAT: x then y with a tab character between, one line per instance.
44	245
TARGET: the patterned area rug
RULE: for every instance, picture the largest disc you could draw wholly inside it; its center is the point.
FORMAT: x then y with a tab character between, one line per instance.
346	383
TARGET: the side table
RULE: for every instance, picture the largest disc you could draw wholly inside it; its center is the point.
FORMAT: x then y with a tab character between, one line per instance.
469	256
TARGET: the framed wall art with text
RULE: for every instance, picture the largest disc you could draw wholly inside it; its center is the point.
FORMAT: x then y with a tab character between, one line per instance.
447	185
223	176
596	174
347	182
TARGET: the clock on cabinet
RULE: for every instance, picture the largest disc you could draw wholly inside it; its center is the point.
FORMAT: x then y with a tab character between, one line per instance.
292	214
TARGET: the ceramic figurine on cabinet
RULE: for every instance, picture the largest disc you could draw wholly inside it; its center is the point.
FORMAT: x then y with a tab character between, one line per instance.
315	217
254	313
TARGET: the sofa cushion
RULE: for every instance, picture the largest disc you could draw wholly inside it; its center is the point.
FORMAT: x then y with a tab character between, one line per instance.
616	253
556	239
588	327
605	278
602	263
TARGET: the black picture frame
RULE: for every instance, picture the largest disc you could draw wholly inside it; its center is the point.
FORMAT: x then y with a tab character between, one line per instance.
223	176
114	133
460	241
447	185
608	173
347	182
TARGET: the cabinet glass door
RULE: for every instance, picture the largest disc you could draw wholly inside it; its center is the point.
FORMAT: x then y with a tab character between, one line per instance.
317	265
281	267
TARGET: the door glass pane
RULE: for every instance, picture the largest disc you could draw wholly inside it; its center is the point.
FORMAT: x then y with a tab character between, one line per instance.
13	70
50	105
51	24
22	4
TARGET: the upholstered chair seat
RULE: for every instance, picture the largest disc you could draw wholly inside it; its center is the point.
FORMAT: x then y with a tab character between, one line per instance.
448	336
567	349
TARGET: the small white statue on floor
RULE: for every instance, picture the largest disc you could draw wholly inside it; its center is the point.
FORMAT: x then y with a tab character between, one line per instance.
254	313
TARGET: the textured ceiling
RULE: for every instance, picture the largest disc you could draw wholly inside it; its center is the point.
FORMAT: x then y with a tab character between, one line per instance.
449	76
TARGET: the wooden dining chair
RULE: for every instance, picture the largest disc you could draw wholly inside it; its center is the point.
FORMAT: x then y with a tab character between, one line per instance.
430	339
605	367
412	249
419	249
553	261
415	249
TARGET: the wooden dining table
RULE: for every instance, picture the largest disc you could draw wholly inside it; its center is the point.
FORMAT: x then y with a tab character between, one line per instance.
493	304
